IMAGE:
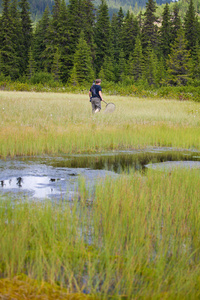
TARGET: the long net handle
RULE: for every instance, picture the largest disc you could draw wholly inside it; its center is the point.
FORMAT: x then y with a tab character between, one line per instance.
105	102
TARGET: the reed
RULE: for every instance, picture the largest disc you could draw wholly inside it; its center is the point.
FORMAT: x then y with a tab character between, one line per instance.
38	123
138	238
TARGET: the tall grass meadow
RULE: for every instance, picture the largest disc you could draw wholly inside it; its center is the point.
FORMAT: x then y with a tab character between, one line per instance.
38	123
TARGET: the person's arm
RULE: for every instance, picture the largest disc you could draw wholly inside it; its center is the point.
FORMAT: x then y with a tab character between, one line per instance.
90	94
100	94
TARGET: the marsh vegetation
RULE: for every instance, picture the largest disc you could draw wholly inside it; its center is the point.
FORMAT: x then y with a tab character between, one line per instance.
38	123
138	237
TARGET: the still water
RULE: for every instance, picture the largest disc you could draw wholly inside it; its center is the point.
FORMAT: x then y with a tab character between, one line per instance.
58	177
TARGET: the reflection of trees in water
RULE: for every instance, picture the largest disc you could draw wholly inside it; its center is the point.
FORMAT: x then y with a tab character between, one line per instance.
116	162
122	162
19	181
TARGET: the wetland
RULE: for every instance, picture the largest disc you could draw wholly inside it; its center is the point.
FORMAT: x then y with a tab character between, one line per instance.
57	178
128	223
39	178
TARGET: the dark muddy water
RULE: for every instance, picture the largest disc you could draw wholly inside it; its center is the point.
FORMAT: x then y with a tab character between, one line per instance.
58	177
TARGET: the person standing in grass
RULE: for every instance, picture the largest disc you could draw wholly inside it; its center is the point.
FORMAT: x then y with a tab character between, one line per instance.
95	95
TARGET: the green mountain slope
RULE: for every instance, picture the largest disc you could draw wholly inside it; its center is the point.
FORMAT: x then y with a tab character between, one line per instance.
38	6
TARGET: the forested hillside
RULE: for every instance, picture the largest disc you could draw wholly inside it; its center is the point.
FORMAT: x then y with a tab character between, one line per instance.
37	7
73	45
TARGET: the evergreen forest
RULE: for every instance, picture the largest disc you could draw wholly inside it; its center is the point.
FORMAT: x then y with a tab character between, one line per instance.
37	7
74	43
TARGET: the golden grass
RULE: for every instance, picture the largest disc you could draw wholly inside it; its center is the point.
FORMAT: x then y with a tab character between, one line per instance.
36	123
36	109
22	287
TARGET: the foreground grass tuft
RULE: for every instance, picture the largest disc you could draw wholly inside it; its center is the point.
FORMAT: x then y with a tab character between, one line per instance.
22	287
138	238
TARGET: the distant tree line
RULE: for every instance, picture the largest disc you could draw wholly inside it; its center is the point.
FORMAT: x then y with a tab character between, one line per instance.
76	43
37	7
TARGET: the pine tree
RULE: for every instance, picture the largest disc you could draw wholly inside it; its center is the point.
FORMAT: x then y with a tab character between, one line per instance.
121	66
66	58
88	21
73	80
129	33
107	71
191	27
56	22
176	22
40	40
140	20
17	33
27	33
102	75
179	62
115	37
102	35
150	65
165	32
52	37
82	69
136	61
81	18
150	29
74	22
9	59
196	62
160	71
136	8
1	67
120	21
49	50
31	64
56	66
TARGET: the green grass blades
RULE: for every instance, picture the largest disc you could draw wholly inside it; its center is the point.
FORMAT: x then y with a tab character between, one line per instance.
138	238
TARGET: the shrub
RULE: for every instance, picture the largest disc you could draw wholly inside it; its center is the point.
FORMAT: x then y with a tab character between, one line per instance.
20	86
4	78
43	78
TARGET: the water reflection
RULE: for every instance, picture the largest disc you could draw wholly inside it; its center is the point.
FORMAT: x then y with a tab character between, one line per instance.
42	181
57	177
124	161
19	181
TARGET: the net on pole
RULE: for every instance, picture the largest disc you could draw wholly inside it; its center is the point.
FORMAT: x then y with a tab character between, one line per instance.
110	107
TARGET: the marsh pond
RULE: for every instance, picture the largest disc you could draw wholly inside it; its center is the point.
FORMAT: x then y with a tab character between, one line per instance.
58	177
